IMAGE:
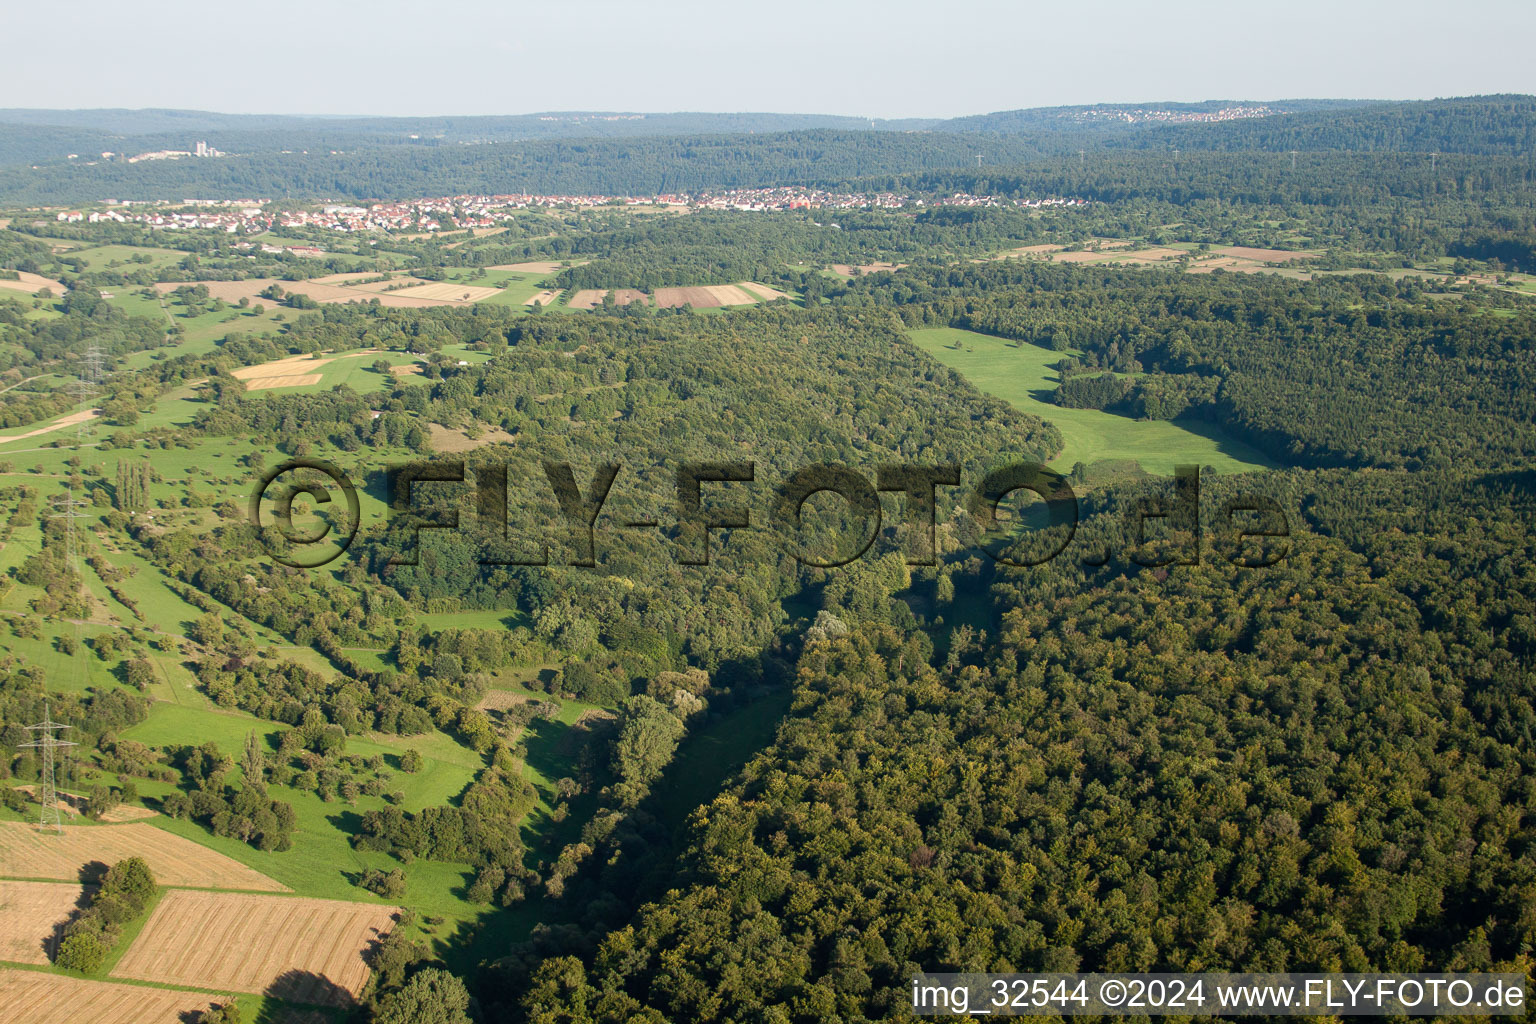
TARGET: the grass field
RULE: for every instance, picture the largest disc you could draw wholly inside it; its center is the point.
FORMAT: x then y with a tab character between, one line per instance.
1023	378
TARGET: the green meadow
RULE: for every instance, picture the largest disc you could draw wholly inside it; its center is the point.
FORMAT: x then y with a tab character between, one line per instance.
1023	377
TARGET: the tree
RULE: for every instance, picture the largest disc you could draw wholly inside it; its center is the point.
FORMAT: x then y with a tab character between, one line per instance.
430	997
410	761
648	734
224	1013
207	629
84	951
253	763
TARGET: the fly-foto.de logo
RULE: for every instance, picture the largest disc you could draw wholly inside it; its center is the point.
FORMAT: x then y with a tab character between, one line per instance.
1251	530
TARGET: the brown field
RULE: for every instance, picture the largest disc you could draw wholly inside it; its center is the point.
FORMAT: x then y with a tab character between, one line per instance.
762	291
31	283
501	700
1208	265
1243	252
446	439
1080	256
408	369
1149	255
32	915
301	950
234	291
291	371
63	421
72	804
591	298
289	366
449	291
345	278
869	268
37	997
479	233
27	853
543	298
400	283
534	267
704	297
291	381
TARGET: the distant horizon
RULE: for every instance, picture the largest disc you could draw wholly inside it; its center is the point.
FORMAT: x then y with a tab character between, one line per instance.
1142	103
898	59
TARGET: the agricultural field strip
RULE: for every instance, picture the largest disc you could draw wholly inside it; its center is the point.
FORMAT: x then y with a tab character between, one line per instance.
34	997
30	915
225	940
175	861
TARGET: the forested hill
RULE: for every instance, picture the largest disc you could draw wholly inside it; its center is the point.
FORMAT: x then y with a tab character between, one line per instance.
1475	124
617	166
30	135
1493	125
390	158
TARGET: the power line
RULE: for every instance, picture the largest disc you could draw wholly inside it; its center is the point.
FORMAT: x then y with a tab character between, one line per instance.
48	743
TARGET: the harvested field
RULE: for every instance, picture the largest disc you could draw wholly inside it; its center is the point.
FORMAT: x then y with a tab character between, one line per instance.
543	298
408	369
73	804
291	371
291	366
449	291
35	997
398	283
533	267
869	268
63	421
703	297
294	381
591	298
345	278
32	917
1150	255
446	439
1080	256
301	950
1208	265
27	853
1244	252
234	291
478	234
762	291
502	700
32	283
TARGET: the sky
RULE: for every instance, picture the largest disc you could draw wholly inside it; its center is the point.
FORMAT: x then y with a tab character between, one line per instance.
894	58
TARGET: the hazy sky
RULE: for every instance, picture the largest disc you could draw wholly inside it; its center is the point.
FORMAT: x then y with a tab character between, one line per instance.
894	58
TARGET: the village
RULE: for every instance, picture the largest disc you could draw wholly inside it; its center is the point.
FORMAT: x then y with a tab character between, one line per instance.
473	212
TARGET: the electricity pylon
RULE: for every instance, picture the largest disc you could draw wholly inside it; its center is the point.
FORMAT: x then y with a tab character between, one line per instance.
48	743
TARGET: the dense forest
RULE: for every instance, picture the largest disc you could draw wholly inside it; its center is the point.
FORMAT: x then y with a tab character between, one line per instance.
380	160
736	781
